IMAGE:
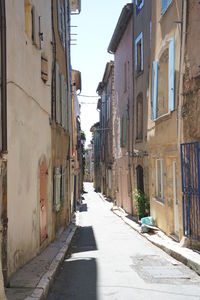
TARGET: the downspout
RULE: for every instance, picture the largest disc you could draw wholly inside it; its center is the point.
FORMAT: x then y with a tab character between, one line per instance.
180	137
3	196
129	154
181	70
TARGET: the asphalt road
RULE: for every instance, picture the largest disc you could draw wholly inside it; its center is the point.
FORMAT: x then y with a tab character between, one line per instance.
109	260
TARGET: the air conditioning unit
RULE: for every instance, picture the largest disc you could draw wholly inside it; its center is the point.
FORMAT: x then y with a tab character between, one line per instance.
75	6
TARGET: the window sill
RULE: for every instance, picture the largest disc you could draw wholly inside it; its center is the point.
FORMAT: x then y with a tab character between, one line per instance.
163	117
159	200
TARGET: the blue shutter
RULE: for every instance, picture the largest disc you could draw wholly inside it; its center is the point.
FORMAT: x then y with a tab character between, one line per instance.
154	89
165	4
141	51
171	75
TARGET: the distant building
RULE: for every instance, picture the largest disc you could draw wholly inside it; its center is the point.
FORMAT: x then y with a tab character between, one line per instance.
89	164
105	90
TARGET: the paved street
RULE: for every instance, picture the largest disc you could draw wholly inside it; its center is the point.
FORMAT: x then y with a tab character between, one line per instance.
109	260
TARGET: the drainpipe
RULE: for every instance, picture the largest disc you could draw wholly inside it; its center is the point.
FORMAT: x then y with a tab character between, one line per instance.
128	126
181	70
3	172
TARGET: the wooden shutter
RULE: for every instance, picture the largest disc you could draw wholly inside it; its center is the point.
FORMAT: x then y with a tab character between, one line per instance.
63	25
57	94
171	75
154	89
56	189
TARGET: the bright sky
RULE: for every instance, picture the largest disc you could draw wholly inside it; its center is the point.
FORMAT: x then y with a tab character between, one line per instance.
95	27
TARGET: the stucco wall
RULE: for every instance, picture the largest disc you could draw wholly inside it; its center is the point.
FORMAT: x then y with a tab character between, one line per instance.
162	133
123	54
29	132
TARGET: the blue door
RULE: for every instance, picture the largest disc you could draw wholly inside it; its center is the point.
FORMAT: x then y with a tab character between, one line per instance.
191	189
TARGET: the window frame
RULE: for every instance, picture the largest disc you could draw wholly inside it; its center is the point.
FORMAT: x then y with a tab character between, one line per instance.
138	39
139	7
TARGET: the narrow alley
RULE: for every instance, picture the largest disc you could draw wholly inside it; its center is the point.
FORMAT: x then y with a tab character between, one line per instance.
109	260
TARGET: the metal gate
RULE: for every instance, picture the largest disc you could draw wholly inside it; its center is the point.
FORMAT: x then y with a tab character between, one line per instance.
191	189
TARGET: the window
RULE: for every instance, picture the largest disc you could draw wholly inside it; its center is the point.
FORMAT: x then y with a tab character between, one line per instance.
139	4
61	99
159	179
163	82
44	67
139	117
164	5
61	21
139	53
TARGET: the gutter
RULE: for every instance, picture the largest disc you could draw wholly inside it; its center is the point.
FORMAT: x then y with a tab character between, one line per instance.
3	78
4	150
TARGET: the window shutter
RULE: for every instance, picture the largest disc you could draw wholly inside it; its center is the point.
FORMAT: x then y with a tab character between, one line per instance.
59	17
62	100
171	75
154	89
56	189
141	51
66	103
57	94
165	4
62	187
35	28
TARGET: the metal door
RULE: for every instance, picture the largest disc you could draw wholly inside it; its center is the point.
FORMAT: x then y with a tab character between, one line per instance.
43	202
191	189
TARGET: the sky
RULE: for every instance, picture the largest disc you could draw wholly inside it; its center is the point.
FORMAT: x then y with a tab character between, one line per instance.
95	26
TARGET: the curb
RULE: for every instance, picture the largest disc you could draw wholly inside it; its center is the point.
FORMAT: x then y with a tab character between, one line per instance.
184	258
41	290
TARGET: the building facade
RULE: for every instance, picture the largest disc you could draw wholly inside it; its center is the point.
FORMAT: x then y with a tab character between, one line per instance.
162	137
141	54
121	46
106	103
